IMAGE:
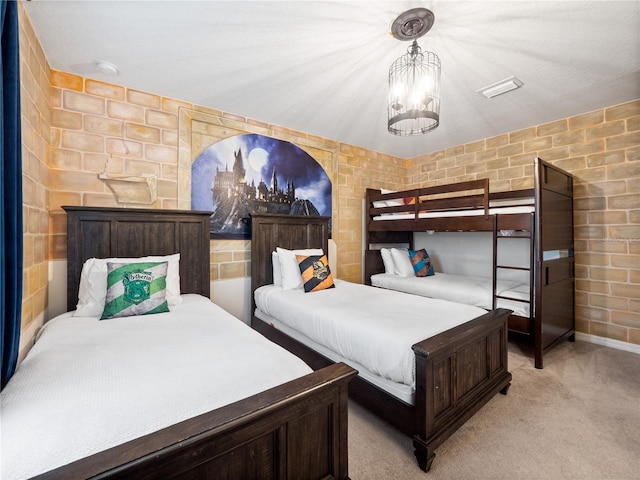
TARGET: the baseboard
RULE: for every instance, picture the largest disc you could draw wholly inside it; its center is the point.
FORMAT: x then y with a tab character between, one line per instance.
608	342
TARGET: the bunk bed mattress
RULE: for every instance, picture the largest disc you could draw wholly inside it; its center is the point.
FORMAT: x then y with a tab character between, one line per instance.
375	328
88	385
477	291
457	213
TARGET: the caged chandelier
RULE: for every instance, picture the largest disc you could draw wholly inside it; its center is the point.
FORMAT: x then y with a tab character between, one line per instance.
414	78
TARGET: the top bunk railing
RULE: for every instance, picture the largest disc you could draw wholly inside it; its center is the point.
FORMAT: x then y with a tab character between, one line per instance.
470	195
458	206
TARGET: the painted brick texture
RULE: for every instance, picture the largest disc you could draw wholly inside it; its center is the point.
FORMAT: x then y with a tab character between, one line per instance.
35	127
602	150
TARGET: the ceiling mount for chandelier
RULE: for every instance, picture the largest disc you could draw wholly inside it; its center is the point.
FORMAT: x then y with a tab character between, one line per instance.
414	78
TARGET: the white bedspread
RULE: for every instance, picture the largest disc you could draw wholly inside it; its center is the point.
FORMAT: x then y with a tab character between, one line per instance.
372	326
88	385
476	291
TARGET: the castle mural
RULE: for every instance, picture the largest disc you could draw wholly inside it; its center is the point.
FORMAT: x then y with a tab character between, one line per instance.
256	174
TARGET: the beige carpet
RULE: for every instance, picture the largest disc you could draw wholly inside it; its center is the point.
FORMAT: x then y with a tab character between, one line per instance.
578	418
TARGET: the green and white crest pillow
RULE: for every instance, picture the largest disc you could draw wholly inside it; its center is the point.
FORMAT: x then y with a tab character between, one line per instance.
135	289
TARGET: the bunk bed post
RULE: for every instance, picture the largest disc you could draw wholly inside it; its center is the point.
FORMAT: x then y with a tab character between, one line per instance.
485	198
368	215
494	303
554	250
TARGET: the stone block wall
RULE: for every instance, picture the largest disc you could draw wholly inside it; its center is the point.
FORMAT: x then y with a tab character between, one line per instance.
35	129
602	150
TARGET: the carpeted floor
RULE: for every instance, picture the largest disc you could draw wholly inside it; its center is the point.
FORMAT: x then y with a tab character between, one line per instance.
578	418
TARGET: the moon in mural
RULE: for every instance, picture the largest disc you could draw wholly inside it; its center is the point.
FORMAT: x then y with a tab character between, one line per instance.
258	159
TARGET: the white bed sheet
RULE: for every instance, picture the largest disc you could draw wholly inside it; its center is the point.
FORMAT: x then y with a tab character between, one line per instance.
401	391
457	213
374	327
477	291
88	385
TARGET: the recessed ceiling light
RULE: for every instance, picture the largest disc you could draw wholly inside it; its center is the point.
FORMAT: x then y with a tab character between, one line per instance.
500	87
107	68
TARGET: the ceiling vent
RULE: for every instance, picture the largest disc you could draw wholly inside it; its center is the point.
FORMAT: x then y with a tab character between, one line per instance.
500	87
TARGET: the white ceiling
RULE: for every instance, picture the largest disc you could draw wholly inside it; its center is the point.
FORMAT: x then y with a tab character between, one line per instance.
321	67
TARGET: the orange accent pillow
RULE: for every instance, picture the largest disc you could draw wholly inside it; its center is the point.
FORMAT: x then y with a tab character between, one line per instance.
315	272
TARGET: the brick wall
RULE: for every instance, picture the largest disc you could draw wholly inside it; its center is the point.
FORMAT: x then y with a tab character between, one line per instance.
35	107
602	150
99	127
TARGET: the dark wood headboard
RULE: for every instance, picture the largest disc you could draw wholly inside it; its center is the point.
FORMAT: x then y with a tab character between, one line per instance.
125	232
269	231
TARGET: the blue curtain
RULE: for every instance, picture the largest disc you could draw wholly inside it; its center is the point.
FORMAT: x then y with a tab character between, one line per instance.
10	193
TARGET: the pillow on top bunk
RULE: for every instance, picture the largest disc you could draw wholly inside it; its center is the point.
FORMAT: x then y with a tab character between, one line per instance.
382	203
291	277
93	282
315	272
135	289
421	263
395	202
402	263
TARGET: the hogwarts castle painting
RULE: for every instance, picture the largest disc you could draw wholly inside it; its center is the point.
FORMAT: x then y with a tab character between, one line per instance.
256	174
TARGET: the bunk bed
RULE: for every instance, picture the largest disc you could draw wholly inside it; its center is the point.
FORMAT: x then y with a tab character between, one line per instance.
542	216
455	372
296	428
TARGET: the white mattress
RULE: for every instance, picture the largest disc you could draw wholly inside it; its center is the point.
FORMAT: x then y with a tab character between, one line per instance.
476	291
403	392
88	385
457	213
373	327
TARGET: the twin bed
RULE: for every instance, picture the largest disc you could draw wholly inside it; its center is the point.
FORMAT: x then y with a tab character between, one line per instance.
189	393
542	299
425	365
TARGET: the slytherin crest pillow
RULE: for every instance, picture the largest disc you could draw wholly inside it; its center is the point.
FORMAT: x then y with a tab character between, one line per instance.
315	272
135	289
421	263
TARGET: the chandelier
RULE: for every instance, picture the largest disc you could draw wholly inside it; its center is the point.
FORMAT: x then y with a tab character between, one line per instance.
414	78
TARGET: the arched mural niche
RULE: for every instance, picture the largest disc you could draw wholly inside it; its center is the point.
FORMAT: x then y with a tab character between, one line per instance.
254	173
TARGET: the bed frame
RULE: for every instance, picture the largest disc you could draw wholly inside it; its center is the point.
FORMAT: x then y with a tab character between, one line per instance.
548	229
457	371
292	431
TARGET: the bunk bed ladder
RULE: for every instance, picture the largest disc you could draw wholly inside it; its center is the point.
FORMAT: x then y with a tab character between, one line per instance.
516	323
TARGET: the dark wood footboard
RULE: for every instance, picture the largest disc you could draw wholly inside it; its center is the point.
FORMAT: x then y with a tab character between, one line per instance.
457	372
292	431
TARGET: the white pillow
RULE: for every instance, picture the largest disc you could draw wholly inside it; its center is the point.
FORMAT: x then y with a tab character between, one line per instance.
395	202
291	277
402	262
277	271
383	203
387	259
93	282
